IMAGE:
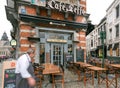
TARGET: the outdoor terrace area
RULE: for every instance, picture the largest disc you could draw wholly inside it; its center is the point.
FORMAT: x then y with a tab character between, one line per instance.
79	75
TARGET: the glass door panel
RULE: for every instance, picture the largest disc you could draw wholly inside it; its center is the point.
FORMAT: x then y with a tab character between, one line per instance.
57	54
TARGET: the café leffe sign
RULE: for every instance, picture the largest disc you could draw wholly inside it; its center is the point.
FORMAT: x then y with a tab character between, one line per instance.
65	7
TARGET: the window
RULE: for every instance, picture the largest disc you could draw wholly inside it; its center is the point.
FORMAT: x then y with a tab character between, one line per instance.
117	11
70	37
110	33
70	48
117	30
56	36
42	34
117	52
110	51
42	53
98	31
104	27
22	10
74	1
91	43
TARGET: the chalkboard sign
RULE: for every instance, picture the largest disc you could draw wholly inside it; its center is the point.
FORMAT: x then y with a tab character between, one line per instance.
69	57
8	74
9	78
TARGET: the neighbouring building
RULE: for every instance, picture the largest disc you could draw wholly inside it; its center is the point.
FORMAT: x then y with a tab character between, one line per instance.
111	25
91	43
101	28
55	29
94	44
5	48
113	30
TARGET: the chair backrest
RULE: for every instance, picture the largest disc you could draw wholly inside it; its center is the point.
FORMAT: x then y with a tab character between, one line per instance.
62	68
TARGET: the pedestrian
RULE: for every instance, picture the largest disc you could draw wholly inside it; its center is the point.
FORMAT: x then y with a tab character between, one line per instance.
25	77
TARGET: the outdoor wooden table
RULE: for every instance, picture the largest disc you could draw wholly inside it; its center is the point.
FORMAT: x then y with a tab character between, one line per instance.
115	65
82	64
51	69
98	70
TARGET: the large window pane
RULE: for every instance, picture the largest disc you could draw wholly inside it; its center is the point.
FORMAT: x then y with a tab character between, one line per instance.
42	53
117	11
117	30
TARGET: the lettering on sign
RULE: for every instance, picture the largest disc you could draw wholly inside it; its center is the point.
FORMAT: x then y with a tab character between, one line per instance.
56	40
65	7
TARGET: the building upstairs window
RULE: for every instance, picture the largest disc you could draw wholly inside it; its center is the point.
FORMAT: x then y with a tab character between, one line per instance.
91	43
117	11
117	30
110	31
42	34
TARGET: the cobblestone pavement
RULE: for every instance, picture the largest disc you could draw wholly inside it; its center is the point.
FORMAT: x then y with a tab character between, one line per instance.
70	81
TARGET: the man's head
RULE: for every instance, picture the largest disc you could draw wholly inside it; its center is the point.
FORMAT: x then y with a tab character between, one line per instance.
31	54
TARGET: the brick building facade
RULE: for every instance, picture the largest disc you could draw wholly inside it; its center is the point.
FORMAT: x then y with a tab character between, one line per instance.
53	28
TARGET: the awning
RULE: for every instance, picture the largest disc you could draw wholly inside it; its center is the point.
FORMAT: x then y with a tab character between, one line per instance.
41	19
109	46
116	45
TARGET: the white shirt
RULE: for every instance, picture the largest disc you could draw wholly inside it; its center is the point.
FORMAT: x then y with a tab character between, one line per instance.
22	65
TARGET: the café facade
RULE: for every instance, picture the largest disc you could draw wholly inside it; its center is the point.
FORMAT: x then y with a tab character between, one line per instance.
55	29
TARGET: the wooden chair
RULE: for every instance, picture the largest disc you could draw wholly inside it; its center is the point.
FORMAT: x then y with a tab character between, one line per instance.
79	71
70	66
109	77
38	69
59	77
88	76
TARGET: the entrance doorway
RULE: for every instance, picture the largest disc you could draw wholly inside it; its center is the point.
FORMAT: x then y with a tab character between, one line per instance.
57	54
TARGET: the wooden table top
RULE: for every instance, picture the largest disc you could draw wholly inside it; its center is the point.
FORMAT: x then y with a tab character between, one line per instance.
83	64
95	68
51	69
115	65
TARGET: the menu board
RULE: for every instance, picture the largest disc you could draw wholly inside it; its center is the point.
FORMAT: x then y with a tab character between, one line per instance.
8	74
69	57
9	78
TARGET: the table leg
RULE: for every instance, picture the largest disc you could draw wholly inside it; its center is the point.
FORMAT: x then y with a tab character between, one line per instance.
106	80
116	79
98	78
84	79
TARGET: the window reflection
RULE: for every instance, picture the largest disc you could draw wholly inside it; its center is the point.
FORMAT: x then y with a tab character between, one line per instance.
42	53
56	36
70	48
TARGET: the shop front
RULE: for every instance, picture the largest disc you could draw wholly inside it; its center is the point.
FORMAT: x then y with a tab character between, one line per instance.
55	44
